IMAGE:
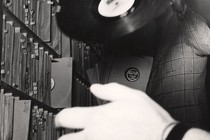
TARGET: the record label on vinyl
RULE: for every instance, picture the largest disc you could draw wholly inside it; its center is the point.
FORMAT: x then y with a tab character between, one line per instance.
113	8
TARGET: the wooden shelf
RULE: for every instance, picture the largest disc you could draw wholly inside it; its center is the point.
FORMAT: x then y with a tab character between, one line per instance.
77	75
22	95
1	21
19	23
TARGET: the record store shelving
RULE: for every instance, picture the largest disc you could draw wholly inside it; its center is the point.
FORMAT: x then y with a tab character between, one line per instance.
25	77
86	59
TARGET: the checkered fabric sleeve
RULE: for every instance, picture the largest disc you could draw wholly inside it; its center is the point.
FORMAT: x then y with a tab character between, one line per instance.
177	79
197	33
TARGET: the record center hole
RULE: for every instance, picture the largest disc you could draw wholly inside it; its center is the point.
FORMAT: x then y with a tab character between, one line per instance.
114	8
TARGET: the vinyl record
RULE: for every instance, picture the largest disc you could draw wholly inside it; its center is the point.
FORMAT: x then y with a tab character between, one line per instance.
103	20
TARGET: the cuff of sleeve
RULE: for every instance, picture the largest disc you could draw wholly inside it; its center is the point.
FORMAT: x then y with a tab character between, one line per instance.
178	132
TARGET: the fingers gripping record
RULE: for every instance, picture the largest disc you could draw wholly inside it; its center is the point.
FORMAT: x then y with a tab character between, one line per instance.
77	117
115	92
129	109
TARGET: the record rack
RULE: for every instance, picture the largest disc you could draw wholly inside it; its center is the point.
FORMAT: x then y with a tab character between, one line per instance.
26	54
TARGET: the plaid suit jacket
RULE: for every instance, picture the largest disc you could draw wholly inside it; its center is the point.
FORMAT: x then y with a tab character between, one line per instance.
177	80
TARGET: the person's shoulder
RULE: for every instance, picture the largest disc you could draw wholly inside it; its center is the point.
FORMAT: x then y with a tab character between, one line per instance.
195	19
196	32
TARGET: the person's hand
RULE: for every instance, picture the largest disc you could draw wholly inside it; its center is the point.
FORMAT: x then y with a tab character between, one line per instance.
131	115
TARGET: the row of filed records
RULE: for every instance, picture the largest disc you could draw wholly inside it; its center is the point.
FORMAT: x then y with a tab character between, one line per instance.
82	95
25	64
39	16
20	120
86	55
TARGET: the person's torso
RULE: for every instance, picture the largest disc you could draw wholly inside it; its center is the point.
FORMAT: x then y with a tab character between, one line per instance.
177	80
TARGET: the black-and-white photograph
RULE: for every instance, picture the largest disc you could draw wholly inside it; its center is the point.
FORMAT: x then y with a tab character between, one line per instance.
105	70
